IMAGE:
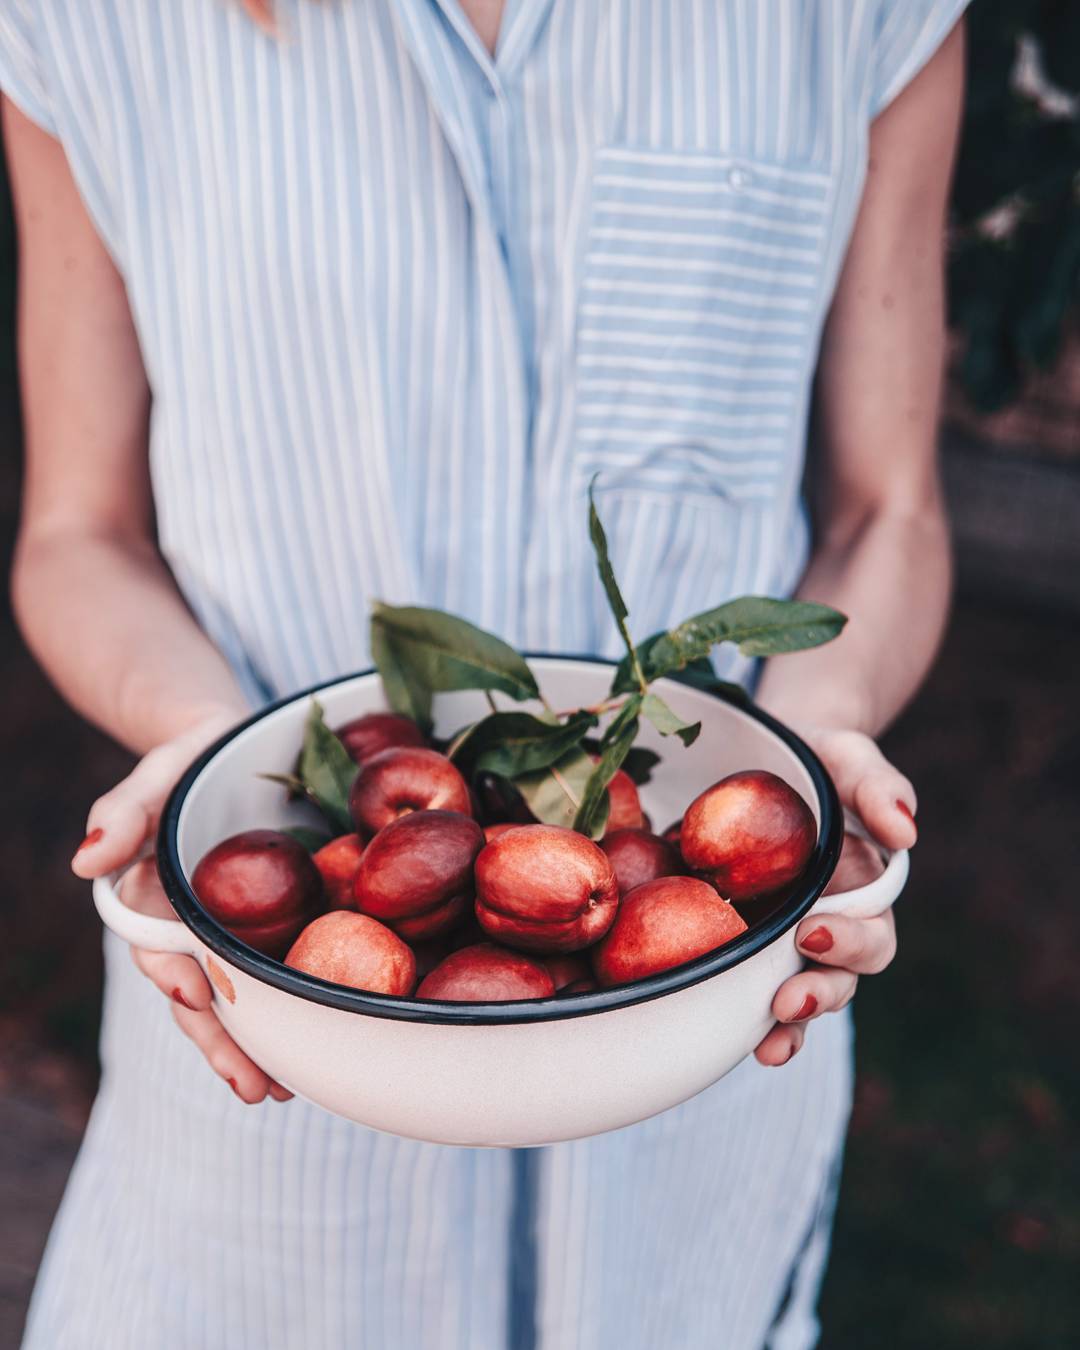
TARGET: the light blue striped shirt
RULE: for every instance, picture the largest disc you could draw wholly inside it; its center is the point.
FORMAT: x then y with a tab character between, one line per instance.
398	301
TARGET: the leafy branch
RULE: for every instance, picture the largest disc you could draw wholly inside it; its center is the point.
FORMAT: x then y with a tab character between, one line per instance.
611	588
757	626
545	756
324	772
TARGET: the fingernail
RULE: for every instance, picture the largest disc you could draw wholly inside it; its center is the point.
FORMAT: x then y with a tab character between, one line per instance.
178	997
792	1053
232	1083
279	1093
820	940
905	810
94	837
808	1009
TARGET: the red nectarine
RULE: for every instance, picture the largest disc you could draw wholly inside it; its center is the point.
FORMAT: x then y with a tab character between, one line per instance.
417	874
374	732
567	968
624	804
262	886
486	974
545	889
638	856
397	781
493	831
663	924
338	863
577	987
749	834
354	949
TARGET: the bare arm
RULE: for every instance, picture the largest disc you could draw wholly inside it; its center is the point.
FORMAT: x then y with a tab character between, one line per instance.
883	554
94	600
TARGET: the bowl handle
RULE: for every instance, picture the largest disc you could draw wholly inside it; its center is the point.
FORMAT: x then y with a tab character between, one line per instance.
865	902
141	930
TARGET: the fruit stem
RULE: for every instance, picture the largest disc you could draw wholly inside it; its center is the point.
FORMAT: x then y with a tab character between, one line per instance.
598	709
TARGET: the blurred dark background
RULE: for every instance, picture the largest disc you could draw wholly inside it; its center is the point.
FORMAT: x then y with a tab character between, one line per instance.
959	1221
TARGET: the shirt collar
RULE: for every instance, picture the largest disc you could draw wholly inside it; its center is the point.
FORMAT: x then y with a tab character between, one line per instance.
434	32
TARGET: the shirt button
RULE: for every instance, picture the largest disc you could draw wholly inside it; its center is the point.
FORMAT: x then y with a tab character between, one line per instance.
739	178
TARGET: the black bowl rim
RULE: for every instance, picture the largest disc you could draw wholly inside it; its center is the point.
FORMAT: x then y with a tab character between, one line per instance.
263	968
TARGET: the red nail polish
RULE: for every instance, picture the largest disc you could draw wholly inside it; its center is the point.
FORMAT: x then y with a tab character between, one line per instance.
808	1009
178	997
817	942
232	1083
791	1053
905	810
94	837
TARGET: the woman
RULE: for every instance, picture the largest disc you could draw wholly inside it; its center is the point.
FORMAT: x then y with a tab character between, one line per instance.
358	308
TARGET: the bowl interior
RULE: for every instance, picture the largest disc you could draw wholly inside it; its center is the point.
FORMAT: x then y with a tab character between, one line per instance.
228	795
223	793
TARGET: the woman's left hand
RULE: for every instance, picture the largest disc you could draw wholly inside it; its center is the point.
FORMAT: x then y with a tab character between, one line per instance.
841	949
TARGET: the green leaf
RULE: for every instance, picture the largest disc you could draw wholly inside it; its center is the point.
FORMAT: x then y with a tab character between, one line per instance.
298	789
287	780
326	769
757	625
405	691
512	743
554	794
667	722
614	746
639	762
312	840
611	587
763	627
324	772
425	651
700	675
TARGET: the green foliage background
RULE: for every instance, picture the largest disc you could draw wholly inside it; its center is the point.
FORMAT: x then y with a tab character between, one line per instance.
1013	299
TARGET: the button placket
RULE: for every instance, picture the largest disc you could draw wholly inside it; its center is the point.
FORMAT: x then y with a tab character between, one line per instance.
499	139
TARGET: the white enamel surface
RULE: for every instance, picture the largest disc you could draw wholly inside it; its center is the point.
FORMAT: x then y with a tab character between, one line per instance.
229	796
516	1085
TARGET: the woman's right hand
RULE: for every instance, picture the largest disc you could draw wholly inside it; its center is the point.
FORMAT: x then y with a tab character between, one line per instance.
119	825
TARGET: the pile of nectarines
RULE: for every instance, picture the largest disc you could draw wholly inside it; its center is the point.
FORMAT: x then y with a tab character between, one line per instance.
424	897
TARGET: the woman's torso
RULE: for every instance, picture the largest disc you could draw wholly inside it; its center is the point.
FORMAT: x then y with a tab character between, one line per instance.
399	304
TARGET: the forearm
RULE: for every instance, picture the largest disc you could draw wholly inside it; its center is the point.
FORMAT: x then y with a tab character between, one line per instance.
883	550
891	577
104	618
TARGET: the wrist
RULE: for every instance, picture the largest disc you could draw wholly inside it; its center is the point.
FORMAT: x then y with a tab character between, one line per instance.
210	719
833	708
155	721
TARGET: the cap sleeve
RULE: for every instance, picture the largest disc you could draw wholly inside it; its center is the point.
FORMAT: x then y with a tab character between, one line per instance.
22	76
909	32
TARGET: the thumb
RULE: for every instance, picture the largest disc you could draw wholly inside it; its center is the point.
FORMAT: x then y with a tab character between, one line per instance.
126	817
879	794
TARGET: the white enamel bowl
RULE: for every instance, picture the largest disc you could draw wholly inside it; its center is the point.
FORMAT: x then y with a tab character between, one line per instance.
512	1074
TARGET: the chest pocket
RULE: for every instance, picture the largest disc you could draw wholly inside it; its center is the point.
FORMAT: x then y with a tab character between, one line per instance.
700	300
